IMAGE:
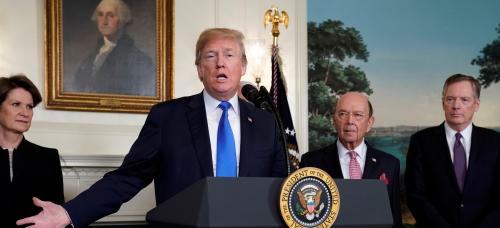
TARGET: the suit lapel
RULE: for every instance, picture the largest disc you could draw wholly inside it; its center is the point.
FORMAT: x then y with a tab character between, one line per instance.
5	167
332	161
475	147
246	142
371	163
198	126
443	154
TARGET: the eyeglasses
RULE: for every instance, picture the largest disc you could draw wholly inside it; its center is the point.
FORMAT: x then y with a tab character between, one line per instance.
345	115
464	100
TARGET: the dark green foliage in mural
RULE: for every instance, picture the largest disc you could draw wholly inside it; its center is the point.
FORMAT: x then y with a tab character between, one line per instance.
320	131
489	62
330	45
320	99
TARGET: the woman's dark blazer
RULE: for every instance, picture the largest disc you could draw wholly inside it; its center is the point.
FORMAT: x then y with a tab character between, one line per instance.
37	173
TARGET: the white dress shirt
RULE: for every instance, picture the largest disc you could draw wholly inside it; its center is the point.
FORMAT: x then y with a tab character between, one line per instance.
213	116
345	158
466	140
104	51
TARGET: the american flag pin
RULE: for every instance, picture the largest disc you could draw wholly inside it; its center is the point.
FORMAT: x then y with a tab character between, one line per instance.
374	160
250	119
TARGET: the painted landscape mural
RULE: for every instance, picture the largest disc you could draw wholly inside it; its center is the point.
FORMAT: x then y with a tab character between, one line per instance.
400	53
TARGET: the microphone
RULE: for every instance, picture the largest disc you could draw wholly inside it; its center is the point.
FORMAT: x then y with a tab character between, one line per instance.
259	98
265	100
240	91
249	92
262	100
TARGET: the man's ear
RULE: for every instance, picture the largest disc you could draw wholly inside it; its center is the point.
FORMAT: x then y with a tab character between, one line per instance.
200	72
371	121
243	69
476	105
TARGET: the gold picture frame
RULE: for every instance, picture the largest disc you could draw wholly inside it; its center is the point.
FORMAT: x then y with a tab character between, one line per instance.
70	24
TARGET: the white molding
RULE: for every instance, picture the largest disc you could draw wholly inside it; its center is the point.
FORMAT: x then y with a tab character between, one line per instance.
91	161
80	172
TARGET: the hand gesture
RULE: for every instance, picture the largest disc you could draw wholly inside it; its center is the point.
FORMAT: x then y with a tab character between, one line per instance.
51	216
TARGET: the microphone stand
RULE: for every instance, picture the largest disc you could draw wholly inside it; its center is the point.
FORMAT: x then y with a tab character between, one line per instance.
271	108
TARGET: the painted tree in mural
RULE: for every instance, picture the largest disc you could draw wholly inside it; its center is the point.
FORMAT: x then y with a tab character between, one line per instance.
330	45
489	62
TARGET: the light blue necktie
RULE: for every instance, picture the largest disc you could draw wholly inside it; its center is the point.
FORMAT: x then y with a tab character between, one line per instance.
226	149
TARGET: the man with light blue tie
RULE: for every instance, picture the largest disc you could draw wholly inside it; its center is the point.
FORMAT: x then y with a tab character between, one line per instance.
213	133
453	170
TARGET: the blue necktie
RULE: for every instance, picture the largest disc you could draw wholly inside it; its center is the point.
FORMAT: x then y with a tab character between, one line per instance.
226	149
459	161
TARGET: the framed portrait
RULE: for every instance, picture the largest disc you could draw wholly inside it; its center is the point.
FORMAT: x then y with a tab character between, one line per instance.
108	55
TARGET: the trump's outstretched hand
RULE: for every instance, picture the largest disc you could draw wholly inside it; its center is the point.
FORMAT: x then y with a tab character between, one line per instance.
51	216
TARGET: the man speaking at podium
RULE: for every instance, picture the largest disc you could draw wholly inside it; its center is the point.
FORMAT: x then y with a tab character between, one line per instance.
212	133
350	157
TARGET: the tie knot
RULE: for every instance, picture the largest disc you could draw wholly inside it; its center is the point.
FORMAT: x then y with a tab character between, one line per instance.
224	105
352	154
458	136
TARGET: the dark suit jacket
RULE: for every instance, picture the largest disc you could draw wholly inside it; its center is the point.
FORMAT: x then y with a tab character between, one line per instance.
173	148
434	197
37	172
377	163
126	70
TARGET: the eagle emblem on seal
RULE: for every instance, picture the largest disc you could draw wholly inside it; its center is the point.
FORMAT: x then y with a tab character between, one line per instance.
310	201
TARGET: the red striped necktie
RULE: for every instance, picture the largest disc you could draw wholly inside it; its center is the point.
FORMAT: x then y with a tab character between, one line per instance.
354	168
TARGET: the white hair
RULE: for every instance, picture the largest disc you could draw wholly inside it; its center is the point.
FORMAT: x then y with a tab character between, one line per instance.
123	11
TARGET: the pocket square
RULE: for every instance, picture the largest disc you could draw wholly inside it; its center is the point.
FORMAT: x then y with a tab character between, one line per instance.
383	178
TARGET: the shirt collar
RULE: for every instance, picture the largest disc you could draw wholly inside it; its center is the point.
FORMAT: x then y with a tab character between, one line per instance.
450	132
211	103
107	46
108	42
360	149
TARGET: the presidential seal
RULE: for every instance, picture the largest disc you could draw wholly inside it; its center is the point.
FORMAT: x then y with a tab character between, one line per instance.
309	197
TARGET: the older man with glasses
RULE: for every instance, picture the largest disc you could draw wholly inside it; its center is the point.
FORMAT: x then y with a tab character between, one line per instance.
350	157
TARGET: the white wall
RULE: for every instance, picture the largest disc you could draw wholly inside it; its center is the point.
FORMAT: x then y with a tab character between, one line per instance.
90	133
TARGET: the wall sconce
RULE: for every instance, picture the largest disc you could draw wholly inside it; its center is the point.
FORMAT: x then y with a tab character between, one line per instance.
255	53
